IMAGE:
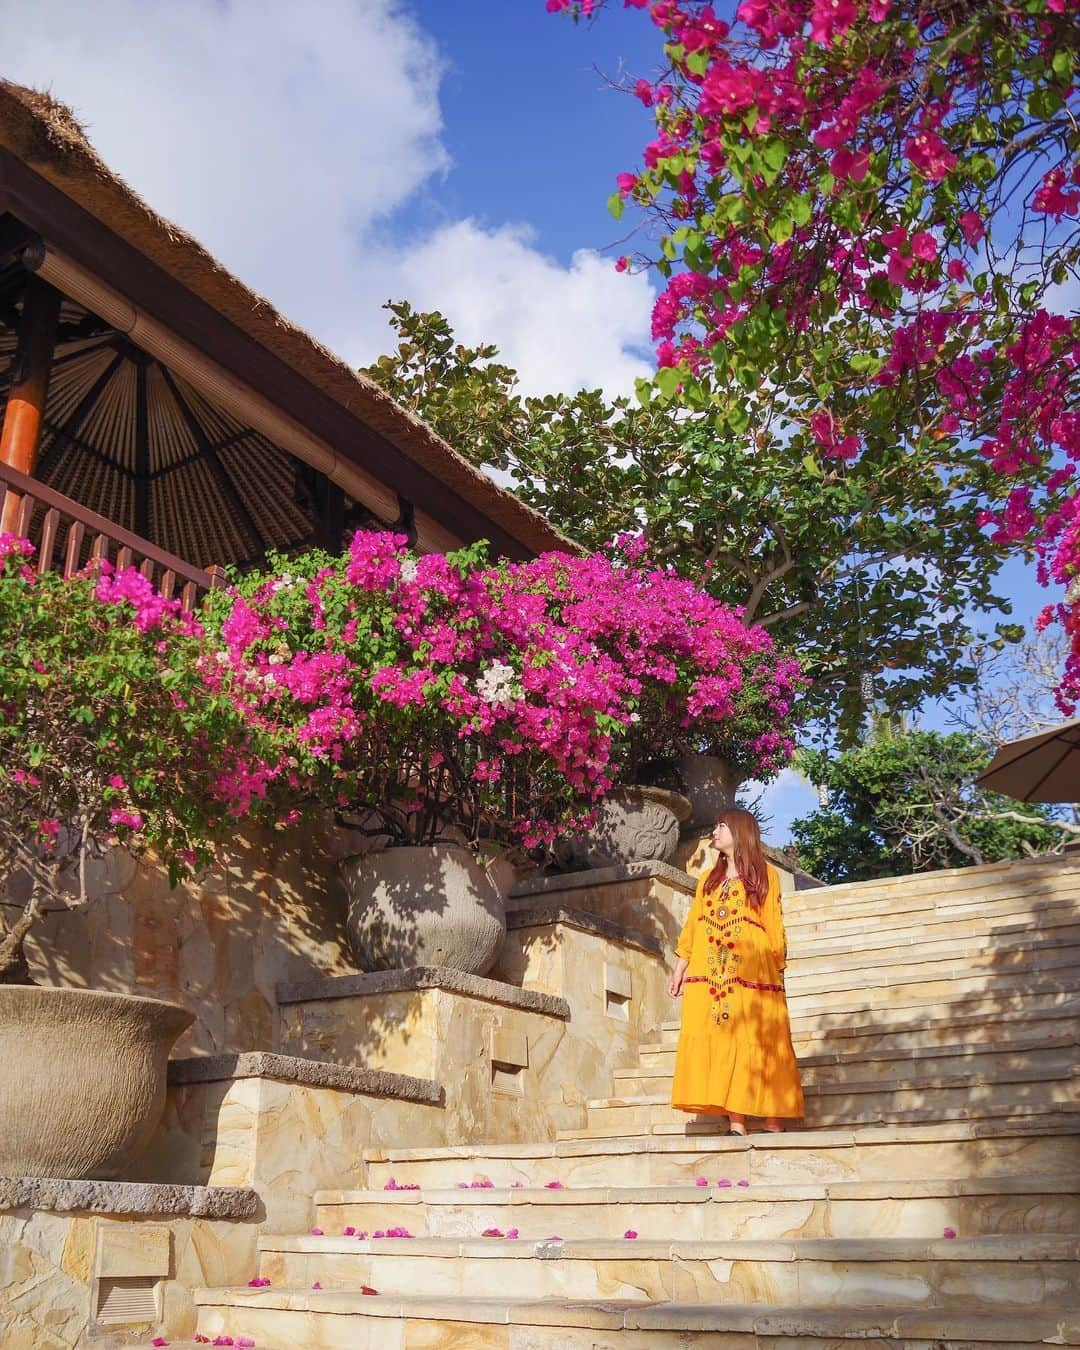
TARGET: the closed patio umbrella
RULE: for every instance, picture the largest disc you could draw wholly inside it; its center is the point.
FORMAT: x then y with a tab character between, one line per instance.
1040	768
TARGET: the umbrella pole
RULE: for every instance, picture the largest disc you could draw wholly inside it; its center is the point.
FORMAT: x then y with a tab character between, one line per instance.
24	415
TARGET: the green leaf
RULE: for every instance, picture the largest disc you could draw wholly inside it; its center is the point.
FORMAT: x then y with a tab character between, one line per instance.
615	205
668	379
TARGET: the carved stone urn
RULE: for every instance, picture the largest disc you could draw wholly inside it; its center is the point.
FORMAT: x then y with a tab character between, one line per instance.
634	824
83	1086
432	905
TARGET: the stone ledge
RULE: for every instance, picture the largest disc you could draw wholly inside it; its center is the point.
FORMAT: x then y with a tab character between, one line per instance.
540	914
423	977
604	876
128	1197
308	1072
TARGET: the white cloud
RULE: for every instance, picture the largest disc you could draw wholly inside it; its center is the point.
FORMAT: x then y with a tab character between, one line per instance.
563	328
284	137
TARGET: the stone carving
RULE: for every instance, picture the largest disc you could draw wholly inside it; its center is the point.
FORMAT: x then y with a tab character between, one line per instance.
436	905
634	824
83	1086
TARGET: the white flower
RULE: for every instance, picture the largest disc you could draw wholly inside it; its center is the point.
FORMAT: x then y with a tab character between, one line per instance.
409	569
496	686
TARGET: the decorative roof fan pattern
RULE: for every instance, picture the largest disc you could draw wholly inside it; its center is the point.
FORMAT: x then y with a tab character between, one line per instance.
129	439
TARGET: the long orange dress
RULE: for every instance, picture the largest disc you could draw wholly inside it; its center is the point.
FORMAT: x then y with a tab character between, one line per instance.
735	1052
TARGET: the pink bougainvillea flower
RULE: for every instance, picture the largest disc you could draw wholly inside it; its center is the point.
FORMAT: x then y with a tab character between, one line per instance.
316	1232
701	1181
724	1181
244	1343
743	1182
950	1232
316	1285
349	1232
553	1185
159	1340
367	1289
512	1233
630	1233
554	1238
397	1233
259	1282
492	1232
971	227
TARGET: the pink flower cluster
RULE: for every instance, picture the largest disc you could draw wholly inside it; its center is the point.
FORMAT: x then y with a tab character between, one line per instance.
815	159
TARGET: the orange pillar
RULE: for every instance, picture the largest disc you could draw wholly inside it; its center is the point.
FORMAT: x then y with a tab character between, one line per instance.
24	415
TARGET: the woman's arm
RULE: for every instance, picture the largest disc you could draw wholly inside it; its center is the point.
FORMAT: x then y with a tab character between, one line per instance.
675	984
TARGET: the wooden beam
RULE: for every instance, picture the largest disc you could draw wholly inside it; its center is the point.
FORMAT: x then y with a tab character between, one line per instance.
24	412
88	241
203	441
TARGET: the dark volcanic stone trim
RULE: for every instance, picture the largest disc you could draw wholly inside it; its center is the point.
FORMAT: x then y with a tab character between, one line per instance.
604	876
534	916
128	1197
423	977
310	1072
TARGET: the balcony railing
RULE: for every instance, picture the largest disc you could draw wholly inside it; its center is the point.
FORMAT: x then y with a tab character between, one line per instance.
67	536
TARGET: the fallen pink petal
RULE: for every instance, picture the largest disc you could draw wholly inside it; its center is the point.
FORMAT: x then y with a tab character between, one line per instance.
159	1340
630	1233
553	1186
316	1232
950	1232
512	1233
701	1181
349	1232
724	1182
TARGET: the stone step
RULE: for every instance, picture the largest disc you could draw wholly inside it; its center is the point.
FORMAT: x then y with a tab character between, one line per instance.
938	1151
985	1205
981	1272
1053	1052
1032	901
902	976
888	892
989	950
820	1118
901	929
302	1320
936	993
987	1018
1023	1086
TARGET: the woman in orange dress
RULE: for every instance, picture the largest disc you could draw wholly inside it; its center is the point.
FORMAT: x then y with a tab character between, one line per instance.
735	1056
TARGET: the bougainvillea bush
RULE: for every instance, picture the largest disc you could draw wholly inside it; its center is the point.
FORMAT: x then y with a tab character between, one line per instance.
864	217
444	693
108	734
429	697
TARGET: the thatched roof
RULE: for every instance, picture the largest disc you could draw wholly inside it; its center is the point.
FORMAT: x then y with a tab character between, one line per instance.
45	145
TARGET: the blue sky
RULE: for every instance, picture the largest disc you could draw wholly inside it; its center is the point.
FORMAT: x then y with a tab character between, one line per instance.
456	153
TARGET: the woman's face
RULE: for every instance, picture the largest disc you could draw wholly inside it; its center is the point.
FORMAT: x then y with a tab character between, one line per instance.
722	838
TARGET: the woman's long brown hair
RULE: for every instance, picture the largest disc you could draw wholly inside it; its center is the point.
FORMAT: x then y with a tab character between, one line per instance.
749	859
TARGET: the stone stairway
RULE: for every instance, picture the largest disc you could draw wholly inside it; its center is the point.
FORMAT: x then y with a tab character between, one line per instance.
931	1200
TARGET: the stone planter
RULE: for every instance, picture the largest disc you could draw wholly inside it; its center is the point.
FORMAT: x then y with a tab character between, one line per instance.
437	905
634	824
83	1085
709	784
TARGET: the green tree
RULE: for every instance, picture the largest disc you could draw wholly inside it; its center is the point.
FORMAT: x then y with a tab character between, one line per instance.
906	802
868	567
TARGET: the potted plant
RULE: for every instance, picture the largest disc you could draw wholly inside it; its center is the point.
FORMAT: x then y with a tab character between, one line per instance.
439	708
108	736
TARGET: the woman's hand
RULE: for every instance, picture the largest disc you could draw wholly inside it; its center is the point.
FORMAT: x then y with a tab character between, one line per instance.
675	984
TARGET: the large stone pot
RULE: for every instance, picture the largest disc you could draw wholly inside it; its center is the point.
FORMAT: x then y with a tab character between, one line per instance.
82	1086
634	824
435	905
709	784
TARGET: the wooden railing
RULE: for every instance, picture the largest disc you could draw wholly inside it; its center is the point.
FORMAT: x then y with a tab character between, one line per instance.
67	536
